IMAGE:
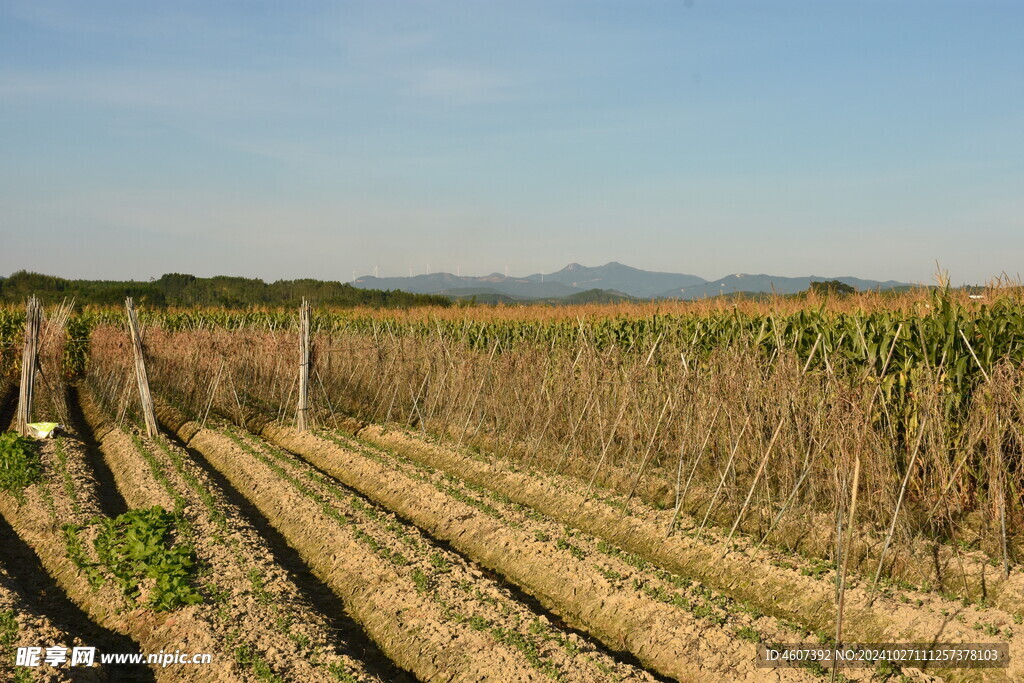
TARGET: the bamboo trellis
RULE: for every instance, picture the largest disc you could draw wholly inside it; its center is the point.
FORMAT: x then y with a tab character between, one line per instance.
29	361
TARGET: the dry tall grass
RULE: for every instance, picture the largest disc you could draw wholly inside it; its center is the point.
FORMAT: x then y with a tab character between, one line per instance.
781	440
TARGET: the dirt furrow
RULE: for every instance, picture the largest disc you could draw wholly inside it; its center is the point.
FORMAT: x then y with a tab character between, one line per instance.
463	589
253	605
314	590
662	635
111	501
409	626
786	587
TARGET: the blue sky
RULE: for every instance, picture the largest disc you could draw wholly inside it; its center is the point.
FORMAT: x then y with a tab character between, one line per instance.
318	139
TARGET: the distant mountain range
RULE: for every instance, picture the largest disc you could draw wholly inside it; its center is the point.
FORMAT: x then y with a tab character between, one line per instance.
616	279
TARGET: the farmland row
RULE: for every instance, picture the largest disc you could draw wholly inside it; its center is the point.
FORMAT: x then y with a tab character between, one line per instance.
261	615
34	609
148	473
178	570
484	525
428	609
442	595
799	591
591	585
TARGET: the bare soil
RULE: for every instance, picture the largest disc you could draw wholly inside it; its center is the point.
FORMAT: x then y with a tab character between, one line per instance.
252	602
598	592
434	637
790	588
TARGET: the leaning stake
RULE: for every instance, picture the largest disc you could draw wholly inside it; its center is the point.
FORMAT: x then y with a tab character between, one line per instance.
145	398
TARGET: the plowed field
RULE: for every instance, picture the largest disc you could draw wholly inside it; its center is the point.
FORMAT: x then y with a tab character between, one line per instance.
369	554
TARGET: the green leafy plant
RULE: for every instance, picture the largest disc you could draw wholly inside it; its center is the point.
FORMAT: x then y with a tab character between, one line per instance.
247	656
422	581
139	545
20	465
886	670
749	634
8	628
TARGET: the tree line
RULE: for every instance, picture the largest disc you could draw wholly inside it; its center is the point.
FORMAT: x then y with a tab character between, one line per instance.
178	289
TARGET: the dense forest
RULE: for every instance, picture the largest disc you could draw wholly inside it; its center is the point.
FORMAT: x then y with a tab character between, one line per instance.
176	289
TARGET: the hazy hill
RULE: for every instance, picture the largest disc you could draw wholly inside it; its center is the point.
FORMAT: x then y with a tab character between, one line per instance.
598	296
613	277
619	277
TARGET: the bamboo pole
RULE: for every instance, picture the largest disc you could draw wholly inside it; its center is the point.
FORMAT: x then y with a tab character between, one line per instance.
571	441
804	471
604	452
476	398
327	399
51	352
757	477
213	392
681	494
725	473
141	378
1002	523
646	458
